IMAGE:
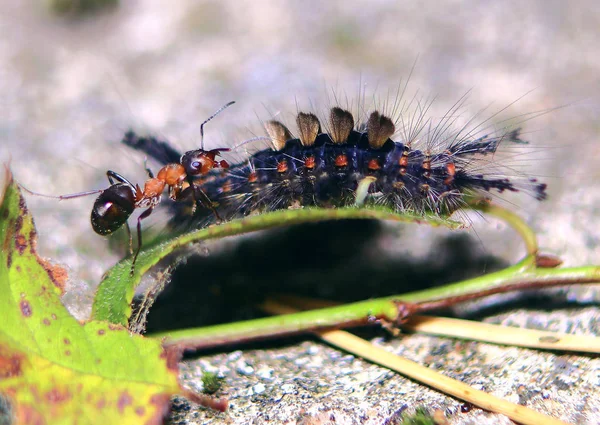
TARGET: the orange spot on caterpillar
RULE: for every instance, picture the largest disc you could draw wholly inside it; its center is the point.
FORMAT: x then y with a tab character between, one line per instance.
309	162
282	166
451	170
403	162
374	165
341	160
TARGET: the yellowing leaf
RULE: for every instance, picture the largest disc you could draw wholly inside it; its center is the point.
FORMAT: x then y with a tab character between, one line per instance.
56	370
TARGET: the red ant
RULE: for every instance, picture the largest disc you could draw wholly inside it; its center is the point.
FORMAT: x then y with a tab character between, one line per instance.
115	204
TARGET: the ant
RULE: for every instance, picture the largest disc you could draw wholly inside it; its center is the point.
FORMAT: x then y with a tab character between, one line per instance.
115	204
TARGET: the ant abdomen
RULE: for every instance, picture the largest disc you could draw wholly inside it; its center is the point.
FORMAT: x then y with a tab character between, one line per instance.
112	208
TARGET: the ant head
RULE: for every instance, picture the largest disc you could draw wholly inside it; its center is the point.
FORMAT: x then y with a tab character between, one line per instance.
112	208
199	162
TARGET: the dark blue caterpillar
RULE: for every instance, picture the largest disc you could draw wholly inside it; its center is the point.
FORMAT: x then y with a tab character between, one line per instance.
325	168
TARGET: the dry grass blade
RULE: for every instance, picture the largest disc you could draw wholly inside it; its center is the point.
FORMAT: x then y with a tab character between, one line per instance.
410	369
506	335
415	371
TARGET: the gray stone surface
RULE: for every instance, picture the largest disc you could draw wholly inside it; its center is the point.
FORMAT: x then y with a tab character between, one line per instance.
69	89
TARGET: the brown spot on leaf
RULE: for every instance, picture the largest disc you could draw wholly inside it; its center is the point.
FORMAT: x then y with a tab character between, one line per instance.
67	352
27	414
20	243
8	258
57	274
101	331
53	316
56	396
10	362
46	321
22	204
124	401
33	239
140	411
100	404
67	341
25	308
114	327
18	224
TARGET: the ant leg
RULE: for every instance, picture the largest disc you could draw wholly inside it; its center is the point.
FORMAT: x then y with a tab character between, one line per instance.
119	178
148	170
130	238
142	216
190	181
206	200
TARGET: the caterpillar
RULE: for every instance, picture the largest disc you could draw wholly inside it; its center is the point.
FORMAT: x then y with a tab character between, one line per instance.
325	167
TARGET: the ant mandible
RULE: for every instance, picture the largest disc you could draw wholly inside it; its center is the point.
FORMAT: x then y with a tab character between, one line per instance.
115	204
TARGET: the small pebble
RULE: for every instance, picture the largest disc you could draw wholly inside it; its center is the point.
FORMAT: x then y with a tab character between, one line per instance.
265	373
259	388
288	388
244	368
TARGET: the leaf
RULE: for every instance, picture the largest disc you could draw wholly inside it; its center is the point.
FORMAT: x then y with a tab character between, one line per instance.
115	293
54	369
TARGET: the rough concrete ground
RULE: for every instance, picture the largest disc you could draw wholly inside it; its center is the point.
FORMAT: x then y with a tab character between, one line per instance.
70	88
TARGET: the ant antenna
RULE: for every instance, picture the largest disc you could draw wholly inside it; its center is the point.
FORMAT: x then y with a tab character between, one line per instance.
227	105
62	197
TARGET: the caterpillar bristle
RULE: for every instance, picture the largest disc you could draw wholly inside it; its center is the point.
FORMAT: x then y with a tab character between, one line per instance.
379	129
309	128
485	144
278	133
342	123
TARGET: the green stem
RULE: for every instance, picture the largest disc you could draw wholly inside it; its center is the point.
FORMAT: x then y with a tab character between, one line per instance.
363	312
513	220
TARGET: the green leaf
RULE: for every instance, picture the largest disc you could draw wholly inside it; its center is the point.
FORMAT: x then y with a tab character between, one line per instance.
54	369
115	293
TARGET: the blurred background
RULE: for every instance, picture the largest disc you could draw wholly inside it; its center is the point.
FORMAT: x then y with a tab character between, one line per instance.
73	80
